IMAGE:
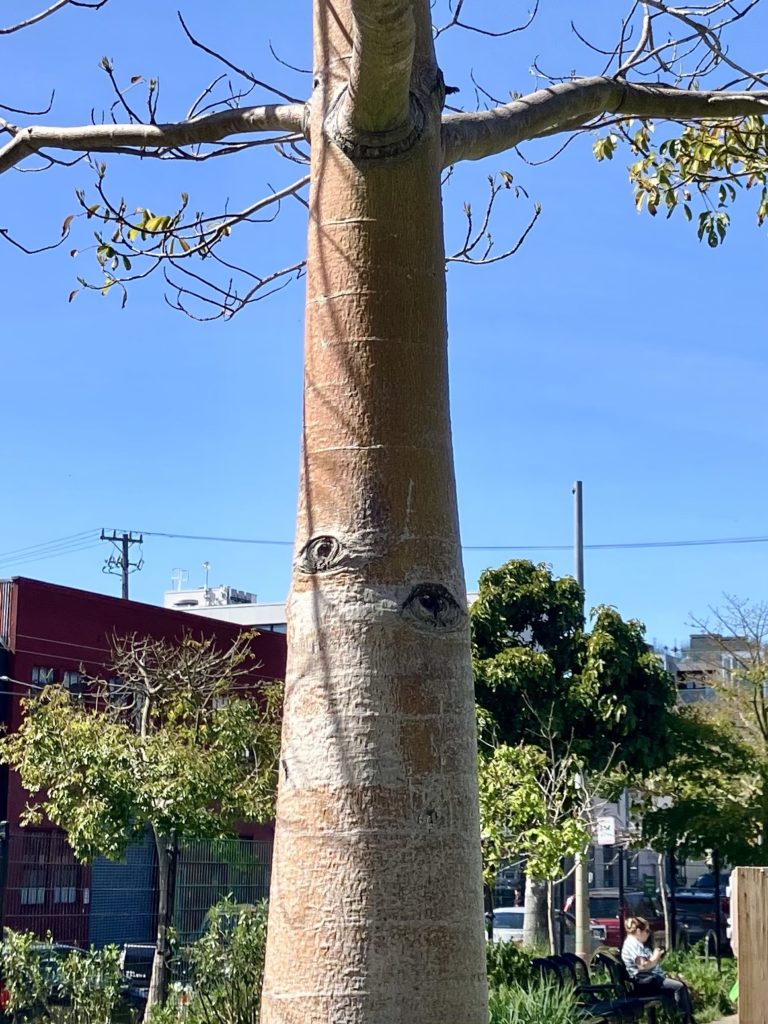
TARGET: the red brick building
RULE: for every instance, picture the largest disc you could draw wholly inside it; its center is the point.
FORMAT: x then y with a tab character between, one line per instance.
53	634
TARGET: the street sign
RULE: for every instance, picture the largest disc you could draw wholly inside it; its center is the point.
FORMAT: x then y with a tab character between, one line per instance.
606	831
649	885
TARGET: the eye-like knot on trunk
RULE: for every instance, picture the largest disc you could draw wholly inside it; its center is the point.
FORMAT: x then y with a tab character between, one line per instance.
433	606
320	554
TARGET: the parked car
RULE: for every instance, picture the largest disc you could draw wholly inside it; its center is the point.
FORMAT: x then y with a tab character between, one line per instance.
509	924
695	916
604	910
708	881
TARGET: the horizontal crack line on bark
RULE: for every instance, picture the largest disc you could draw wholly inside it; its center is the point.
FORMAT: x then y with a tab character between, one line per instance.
341	221
341	295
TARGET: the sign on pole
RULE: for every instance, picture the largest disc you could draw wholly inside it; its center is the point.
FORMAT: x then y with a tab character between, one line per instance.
606	831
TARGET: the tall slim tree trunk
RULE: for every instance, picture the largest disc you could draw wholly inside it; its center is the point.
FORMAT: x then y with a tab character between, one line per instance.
535	929
376	910
158	984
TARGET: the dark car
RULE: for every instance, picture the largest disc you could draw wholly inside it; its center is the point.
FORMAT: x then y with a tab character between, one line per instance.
695	914
708	881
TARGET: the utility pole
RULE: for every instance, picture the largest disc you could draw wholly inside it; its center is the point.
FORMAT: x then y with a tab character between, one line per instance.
121	564
581	871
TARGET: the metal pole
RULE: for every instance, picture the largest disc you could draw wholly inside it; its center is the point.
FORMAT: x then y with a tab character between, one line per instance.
718	908
583	935
622	930
578	534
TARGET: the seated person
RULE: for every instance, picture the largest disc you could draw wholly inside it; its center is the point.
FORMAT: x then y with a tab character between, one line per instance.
643	968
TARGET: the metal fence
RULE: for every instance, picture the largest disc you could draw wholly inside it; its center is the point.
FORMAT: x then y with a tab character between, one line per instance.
45	889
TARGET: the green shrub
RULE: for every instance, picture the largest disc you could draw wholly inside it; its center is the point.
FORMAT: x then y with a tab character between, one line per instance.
220	975
540	1002
709	988
45	983
507	964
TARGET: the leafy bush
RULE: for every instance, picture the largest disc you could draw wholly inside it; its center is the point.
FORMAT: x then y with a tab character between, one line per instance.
222	972
507	964
538	1002
45	982
709	988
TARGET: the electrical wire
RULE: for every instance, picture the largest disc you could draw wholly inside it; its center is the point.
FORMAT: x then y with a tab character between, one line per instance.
704	542
57	542
87	545
88	540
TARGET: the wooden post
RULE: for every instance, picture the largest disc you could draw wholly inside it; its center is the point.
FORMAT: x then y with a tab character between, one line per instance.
749	923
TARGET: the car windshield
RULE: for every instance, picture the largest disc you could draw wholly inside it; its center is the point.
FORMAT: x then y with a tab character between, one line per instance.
603	906
508	919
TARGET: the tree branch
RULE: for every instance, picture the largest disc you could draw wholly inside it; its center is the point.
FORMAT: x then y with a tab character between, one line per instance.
47	12
106	138
568	105
383	44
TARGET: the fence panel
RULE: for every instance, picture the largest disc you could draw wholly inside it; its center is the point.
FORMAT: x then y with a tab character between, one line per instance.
48	891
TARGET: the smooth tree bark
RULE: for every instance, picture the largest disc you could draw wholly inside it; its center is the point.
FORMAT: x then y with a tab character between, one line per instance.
376	899
536	926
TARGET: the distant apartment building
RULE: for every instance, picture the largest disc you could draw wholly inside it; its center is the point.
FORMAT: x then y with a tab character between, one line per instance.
228	604
706	659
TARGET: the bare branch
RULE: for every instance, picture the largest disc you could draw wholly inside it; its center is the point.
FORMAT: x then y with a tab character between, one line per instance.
456	22
108	138
42	15
475	237
233	67
569	105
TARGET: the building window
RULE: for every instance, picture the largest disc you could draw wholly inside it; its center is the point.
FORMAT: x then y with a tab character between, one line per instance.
65	884
43	676
33	887
73	681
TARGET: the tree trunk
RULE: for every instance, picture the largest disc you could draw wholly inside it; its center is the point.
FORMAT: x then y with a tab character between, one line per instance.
158	984
376	907
554	938
535	931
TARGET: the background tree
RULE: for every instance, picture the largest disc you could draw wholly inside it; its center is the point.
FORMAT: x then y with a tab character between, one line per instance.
713	794
378	781
532	802
173	745
600	698
604	695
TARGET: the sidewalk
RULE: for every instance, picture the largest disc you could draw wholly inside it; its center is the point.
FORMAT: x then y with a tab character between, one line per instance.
727	1020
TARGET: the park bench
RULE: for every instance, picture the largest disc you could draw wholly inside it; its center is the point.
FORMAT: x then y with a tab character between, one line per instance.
610	960
597	1003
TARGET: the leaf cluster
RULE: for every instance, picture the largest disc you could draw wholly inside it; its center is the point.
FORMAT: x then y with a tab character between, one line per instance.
528	804
600	691
707	165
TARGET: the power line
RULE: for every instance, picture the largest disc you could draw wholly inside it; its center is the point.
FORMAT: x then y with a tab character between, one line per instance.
36	548
85	545
704	542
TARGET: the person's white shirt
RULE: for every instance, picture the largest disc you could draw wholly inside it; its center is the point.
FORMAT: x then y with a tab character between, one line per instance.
632	951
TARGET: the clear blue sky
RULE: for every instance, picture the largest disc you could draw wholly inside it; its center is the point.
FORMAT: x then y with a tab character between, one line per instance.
613	348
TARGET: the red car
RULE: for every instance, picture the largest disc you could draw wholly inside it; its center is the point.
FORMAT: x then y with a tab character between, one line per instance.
604	910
